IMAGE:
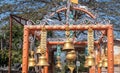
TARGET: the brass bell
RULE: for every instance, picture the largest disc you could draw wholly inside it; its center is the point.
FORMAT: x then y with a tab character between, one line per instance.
31	59
85	65
42	61
38	51
90	61
100	63
71	56
105	64
58	65
31	62
58	57
68	45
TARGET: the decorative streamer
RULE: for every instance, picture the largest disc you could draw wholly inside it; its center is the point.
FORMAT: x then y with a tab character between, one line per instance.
86	51
58	50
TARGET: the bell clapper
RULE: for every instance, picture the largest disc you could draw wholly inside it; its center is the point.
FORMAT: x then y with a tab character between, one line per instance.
71	66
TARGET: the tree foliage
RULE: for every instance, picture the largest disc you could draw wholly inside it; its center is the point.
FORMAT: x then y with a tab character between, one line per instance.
17	37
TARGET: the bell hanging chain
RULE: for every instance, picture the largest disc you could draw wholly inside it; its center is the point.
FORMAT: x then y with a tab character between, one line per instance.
43	42
90	40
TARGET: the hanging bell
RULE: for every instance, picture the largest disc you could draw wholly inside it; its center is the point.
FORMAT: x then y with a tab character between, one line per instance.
71	56
38	51
85	65
58	65
31	59
42	61
105	64
58	57
100	63
31	62
90	61
68	45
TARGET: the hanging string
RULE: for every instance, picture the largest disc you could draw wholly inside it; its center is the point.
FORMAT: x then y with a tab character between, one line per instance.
71	18
68	12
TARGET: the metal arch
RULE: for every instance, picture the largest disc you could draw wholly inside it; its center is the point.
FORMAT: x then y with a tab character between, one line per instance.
76	8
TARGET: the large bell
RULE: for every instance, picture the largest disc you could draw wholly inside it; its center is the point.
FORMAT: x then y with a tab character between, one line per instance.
31	62
90	61
42	61
68	45
105	64
71	56
100	63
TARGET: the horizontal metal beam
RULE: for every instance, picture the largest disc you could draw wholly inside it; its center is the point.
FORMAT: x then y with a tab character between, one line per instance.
83	43
71	27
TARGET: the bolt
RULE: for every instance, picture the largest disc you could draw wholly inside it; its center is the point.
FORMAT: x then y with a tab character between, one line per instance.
110	35
111	43
25	35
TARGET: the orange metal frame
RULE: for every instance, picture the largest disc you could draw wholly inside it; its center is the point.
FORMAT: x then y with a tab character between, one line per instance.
108	28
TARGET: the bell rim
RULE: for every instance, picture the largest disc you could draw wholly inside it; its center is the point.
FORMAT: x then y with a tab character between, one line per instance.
31	59
42	65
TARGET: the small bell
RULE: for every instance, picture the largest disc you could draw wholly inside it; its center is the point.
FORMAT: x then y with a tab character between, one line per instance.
105	64
42	61
31	59
71	56
90	61
31	62
85	65
68	45
100	63
38	51
58	65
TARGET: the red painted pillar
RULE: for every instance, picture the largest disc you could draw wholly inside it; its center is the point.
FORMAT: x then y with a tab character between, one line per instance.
43	70
98	58
47	56
110	49
25	50
92	69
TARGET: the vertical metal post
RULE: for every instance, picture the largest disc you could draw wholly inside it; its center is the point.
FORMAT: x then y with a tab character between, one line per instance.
47	56
110	50
10	45
43	70
77	60
25	50
98	58
52	60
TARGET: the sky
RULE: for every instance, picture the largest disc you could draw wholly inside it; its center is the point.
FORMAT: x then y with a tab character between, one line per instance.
27	6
